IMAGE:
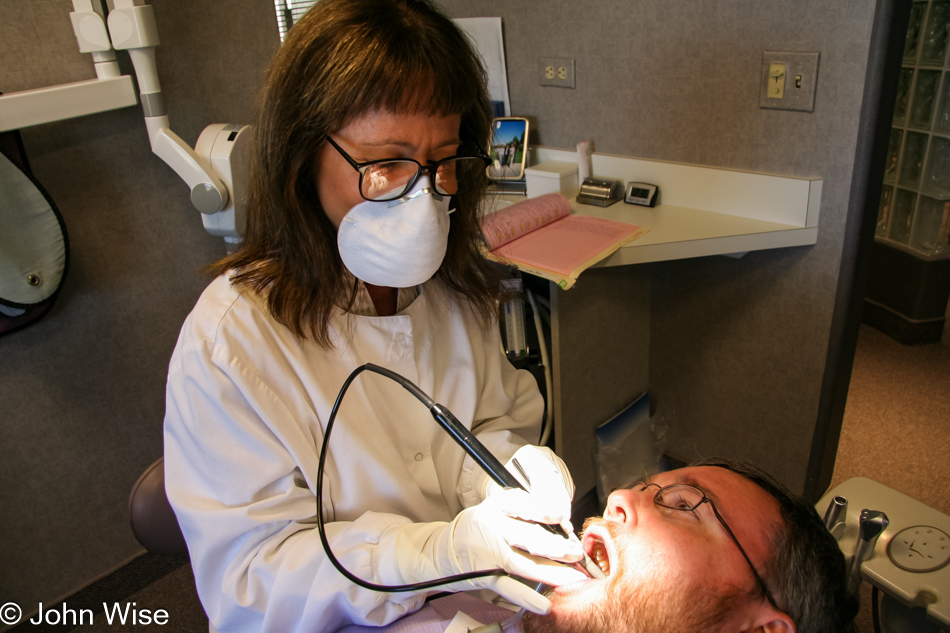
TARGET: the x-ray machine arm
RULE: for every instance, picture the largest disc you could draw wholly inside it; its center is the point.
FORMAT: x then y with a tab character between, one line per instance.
215	171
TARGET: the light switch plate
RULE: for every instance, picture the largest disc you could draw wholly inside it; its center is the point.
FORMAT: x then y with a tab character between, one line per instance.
801	80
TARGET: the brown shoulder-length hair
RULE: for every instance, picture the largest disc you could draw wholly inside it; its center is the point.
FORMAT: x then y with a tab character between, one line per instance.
343	59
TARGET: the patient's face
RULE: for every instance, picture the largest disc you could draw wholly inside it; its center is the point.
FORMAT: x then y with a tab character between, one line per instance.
668	570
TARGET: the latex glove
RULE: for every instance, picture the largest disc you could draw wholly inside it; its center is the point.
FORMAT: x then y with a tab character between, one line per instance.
483	538
551	488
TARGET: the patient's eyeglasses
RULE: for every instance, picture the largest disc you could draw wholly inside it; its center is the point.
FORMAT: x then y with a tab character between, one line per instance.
391	178
687	498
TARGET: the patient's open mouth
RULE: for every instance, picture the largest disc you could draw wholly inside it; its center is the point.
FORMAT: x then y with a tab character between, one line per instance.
597	550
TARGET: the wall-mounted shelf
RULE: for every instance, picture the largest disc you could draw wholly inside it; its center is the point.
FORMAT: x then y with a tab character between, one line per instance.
681	233
703	210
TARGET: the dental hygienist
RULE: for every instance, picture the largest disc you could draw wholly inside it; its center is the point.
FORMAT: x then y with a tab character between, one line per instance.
362	246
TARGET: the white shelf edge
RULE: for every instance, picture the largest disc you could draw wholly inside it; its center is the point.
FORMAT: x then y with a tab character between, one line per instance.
725	245
785	200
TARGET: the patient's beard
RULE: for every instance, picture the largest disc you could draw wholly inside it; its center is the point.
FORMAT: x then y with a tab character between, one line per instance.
653	603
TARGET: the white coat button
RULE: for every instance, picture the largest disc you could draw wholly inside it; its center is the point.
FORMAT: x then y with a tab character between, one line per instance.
400	337
419	457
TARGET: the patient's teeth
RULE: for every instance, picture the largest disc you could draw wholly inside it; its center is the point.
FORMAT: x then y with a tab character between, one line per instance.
601	559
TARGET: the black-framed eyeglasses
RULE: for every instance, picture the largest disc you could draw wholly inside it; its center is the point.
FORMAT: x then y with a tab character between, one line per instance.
687	498
391	178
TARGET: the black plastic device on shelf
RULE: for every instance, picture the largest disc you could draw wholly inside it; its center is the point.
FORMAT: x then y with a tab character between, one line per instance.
641	193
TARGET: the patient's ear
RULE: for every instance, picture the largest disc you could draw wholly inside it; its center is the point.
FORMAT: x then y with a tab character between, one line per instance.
770	620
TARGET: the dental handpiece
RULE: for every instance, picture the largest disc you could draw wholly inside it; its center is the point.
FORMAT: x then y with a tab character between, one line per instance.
872	524
499	474
470	444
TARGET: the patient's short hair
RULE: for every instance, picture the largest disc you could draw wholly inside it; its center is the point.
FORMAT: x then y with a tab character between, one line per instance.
806	572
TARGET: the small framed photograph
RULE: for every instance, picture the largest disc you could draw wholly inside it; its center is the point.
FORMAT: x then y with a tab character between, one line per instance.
508	148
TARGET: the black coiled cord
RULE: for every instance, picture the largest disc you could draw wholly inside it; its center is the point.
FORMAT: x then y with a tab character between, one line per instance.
321	528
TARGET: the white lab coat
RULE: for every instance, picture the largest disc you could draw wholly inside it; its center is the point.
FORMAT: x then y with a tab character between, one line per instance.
247	403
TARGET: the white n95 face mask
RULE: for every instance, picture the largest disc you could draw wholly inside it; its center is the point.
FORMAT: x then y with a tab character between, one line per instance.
399	243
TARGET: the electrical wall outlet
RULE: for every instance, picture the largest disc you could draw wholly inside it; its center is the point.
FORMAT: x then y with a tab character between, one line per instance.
557	71
789	81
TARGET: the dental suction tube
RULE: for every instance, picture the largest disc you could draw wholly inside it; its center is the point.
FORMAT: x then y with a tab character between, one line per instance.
837	506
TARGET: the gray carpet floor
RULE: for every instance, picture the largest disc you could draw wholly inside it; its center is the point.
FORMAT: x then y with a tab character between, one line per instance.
174	593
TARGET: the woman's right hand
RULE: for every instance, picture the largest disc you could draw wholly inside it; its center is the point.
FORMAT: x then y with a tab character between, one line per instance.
482	538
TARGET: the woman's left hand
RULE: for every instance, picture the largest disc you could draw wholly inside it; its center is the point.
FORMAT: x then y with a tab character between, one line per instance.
551	488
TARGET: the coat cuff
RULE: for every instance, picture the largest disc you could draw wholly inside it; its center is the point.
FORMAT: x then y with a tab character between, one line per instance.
384	555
